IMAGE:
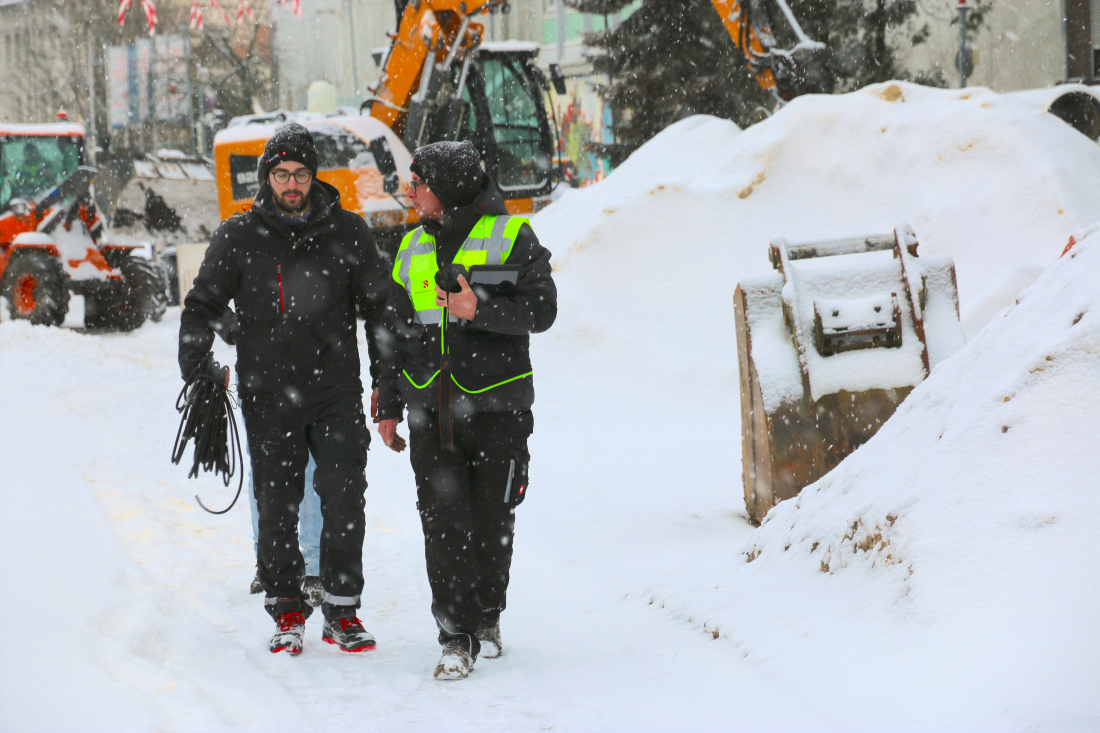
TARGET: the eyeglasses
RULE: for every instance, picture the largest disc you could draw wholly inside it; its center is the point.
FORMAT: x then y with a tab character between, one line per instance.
416	184
302	175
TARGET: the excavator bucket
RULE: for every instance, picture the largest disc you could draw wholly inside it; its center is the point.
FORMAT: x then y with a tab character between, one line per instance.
828	347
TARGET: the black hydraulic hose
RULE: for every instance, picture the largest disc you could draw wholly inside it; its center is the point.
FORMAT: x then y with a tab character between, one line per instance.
207	409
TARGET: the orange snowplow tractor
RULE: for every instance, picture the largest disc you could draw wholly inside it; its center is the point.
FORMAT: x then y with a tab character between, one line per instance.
344	160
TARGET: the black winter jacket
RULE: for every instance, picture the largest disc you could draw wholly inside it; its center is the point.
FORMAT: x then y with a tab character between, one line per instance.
491	348
296	293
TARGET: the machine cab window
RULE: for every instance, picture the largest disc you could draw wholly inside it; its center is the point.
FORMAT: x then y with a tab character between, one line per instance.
522	161
31	165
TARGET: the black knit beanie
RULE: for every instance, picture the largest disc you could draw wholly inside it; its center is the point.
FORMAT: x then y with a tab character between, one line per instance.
452	171
290	142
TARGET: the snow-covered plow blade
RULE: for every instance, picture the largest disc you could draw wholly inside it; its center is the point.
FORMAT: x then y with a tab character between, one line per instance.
828	349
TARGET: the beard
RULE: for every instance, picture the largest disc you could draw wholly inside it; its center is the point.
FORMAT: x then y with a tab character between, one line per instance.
294	206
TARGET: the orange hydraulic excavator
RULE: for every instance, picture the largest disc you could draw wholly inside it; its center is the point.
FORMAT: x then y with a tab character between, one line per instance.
440	81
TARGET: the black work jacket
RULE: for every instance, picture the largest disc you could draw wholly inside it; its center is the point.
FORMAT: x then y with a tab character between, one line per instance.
296	293
491	348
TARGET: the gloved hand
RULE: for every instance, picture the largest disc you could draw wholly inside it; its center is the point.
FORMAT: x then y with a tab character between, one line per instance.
446	278
219	372
210	367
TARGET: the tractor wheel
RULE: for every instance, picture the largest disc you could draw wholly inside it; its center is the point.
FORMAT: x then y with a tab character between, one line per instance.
142	293
37	288
148	281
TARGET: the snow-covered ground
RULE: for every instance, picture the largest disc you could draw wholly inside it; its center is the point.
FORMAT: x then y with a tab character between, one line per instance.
944	577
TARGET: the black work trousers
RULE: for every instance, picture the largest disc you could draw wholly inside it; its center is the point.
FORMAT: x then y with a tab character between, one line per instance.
280	439
467	493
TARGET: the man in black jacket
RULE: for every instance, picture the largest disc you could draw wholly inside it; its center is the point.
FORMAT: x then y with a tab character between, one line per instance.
298	268
461	365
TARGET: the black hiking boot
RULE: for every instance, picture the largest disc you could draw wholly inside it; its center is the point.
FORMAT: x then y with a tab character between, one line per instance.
489	636
312	590
348	634
456	662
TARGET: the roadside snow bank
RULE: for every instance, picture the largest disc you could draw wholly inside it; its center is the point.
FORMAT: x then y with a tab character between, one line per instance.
638	391
974	510
981	176
995	450
944	576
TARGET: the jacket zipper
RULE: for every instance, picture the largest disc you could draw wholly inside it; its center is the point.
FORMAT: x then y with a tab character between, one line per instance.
279	271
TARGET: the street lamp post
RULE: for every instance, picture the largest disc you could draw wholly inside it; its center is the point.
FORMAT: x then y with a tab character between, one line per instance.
964	60
351	39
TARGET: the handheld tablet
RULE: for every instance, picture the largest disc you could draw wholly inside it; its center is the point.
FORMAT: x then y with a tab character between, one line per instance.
494	281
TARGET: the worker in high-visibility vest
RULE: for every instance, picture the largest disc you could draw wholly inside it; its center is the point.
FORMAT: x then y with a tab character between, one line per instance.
459	361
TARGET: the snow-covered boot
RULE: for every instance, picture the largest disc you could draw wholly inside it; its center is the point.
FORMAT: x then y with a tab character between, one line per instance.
312	590
348	634
455	664
256	587
288	638
489	636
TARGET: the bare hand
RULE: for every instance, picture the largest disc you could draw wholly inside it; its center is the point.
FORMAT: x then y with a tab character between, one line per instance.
463	305
388	430
374	405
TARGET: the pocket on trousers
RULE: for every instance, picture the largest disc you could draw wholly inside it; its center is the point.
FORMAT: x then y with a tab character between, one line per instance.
515	490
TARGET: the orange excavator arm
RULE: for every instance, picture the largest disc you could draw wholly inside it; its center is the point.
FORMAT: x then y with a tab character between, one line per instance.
784	73
431	32
746	37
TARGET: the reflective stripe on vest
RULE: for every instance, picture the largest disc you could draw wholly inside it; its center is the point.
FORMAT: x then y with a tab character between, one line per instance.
489	243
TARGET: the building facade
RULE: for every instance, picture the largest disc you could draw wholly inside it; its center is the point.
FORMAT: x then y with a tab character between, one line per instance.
1024	44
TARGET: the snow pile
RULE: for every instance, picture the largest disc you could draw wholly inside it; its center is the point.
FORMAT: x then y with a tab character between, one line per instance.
981	493
641	372
986	178
985	482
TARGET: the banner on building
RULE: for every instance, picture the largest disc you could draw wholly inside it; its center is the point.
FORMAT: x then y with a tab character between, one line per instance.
148	80
128	81
171	90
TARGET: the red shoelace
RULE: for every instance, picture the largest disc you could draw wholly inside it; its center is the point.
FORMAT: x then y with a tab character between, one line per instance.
346	622
288	621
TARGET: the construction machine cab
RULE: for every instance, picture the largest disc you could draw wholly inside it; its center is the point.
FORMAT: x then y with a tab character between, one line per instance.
494	100
34	158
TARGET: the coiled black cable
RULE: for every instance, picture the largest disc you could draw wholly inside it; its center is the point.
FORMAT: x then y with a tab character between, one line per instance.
207	408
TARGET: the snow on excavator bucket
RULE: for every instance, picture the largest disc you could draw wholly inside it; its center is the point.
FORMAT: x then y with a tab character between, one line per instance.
828	349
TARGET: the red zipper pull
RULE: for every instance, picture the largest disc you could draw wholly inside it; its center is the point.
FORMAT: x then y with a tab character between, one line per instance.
282	306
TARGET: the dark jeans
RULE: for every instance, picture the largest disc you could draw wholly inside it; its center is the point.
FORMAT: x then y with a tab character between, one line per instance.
281	438
467	507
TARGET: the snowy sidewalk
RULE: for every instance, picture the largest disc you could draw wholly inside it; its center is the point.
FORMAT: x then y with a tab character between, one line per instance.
149	624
